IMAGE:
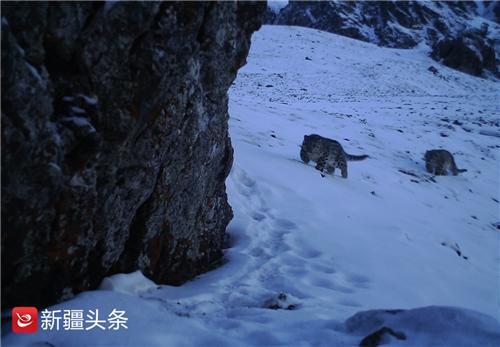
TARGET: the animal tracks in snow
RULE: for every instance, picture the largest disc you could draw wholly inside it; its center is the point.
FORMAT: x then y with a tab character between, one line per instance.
281	259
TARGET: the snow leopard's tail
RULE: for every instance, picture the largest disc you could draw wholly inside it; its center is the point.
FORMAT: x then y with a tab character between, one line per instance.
351	157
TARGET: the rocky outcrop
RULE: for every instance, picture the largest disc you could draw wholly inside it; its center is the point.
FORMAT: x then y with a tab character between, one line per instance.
471	52
115	143
446	26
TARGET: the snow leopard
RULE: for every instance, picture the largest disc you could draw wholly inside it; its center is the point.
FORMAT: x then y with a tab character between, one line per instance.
327	153
439	162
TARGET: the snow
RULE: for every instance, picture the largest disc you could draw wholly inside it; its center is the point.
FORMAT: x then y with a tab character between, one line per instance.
80	122
277	5
386	104
134	283
55	167
77	109
91	100
310	16
425	326
313	260
360	16
34	72
486	10
77	181
495	133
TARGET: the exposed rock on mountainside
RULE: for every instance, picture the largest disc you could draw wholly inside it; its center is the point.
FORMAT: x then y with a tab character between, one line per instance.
115	144
463	35
469	52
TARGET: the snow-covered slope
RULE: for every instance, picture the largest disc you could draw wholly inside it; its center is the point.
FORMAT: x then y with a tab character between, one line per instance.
381	231
463	34
307	252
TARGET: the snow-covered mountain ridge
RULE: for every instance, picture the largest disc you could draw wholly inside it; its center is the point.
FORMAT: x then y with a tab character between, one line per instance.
463	34
310	258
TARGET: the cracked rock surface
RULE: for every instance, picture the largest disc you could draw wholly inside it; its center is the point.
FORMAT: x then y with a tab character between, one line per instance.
115	143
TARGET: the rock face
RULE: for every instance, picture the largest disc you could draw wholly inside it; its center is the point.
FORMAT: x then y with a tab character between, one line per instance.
470	52
456	30
115	143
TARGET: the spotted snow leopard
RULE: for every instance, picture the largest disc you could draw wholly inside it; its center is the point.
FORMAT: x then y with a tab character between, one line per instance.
327	153
440	161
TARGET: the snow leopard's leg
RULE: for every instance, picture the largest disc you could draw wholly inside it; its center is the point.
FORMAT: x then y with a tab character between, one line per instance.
440	171
330	169
342	165
453	167
321	163
429	168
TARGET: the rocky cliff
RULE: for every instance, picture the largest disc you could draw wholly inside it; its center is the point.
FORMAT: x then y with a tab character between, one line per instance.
461	34
115	143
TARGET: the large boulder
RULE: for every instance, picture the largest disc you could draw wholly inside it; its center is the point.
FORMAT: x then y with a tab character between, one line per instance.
115	143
